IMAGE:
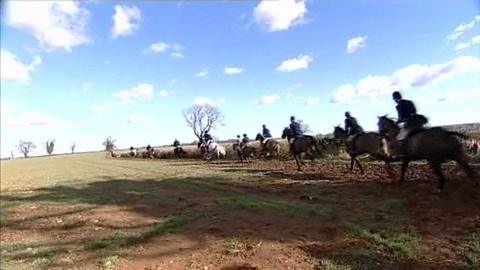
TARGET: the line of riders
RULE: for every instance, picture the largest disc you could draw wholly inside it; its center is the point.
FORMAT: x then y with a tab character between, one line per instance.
407	115
406	139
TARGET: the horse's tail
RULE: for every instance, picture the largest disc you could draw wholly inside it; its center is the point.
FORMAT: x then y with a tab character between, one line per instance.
458	134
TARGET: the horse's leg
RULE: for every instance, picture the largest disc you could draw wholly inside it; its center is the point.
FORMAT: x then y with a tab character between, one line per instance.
389	167
359	166
298	163
471	173
437	169
404	169
352	160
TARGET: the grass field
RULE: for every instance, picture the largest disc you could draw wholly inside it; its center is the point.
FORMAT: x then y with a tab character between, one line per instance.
87	211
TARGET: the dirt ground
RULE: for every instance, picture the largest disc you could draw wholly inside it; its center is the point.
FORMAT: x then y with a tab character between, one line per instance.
226	215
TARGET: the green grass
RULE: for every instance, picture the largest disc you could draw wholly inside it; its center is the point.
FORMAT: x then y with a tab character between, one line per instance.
394	245
256	202
382	226
120	239
33	255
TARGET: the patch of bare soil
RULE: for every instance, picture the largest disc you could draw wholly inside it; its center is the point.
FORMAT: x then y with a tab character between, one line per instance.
268	217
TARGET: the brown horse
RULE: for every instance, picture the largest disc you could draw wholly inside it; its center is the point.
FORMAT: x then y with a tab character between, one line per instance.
303	144
362	143
436	145
268	146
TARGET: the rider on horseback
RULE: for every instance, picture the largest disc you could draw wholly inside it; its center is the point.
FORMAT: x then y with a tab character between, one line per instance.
295	129
407	114
266	132
176	143
351	125
207	138
245	140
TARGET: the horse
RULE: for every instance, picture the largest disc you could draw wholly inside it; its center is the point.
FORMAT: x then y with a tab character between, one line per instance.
178	152
303	144
435	144
268	146
244	152
213	149
362	143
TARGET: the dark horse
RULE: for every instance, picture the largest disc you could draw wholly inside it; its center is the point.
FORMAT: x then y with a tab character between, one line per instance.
245	152
362	143
304	144
436	145
178	152
268	146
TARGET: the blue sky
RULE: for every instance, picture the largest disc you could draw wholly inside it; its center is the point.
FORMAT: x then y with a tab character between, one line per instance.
82	71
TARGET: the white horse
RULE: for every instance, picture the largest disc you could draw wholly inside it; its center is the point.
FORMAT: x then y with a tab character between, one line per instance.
215	150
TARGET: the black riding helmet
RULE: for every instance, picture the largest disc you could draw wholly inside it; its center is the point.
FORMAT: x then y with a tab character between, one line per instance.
396	95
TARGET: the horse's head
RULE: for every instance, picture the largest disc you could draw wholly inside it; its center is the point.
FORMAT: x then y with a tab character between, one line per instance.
286	133
339	132
386	125
259	137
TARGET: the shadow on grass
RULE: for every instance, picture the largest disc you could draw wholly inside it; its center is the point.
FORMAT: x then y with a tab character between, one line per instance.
195	207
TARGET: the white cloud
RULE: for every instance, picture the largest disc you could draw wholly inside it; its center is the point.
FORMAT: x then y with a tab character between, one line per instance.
279	15
14	70
414	75
87	86
125	20
55	24
343	93
142	91
163	93
159	47
267	99
301	62
462	28
311	101
209	101
101	108
177	55
462	46
162	47
140	118
203	101
203	72
465	45
97	108
356	43
233	70
476	40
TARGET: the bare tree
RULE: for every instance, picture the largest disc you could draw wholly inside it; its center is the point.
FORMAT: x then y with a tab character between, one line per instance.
72	147
305	128
203	118
49	146
109	144
26	147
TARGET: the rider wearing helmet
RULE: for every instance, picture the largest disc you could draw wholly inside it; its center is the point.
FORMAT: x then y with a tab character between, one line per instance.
295	127
176	143
407	115
207	138
351	125
266	132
